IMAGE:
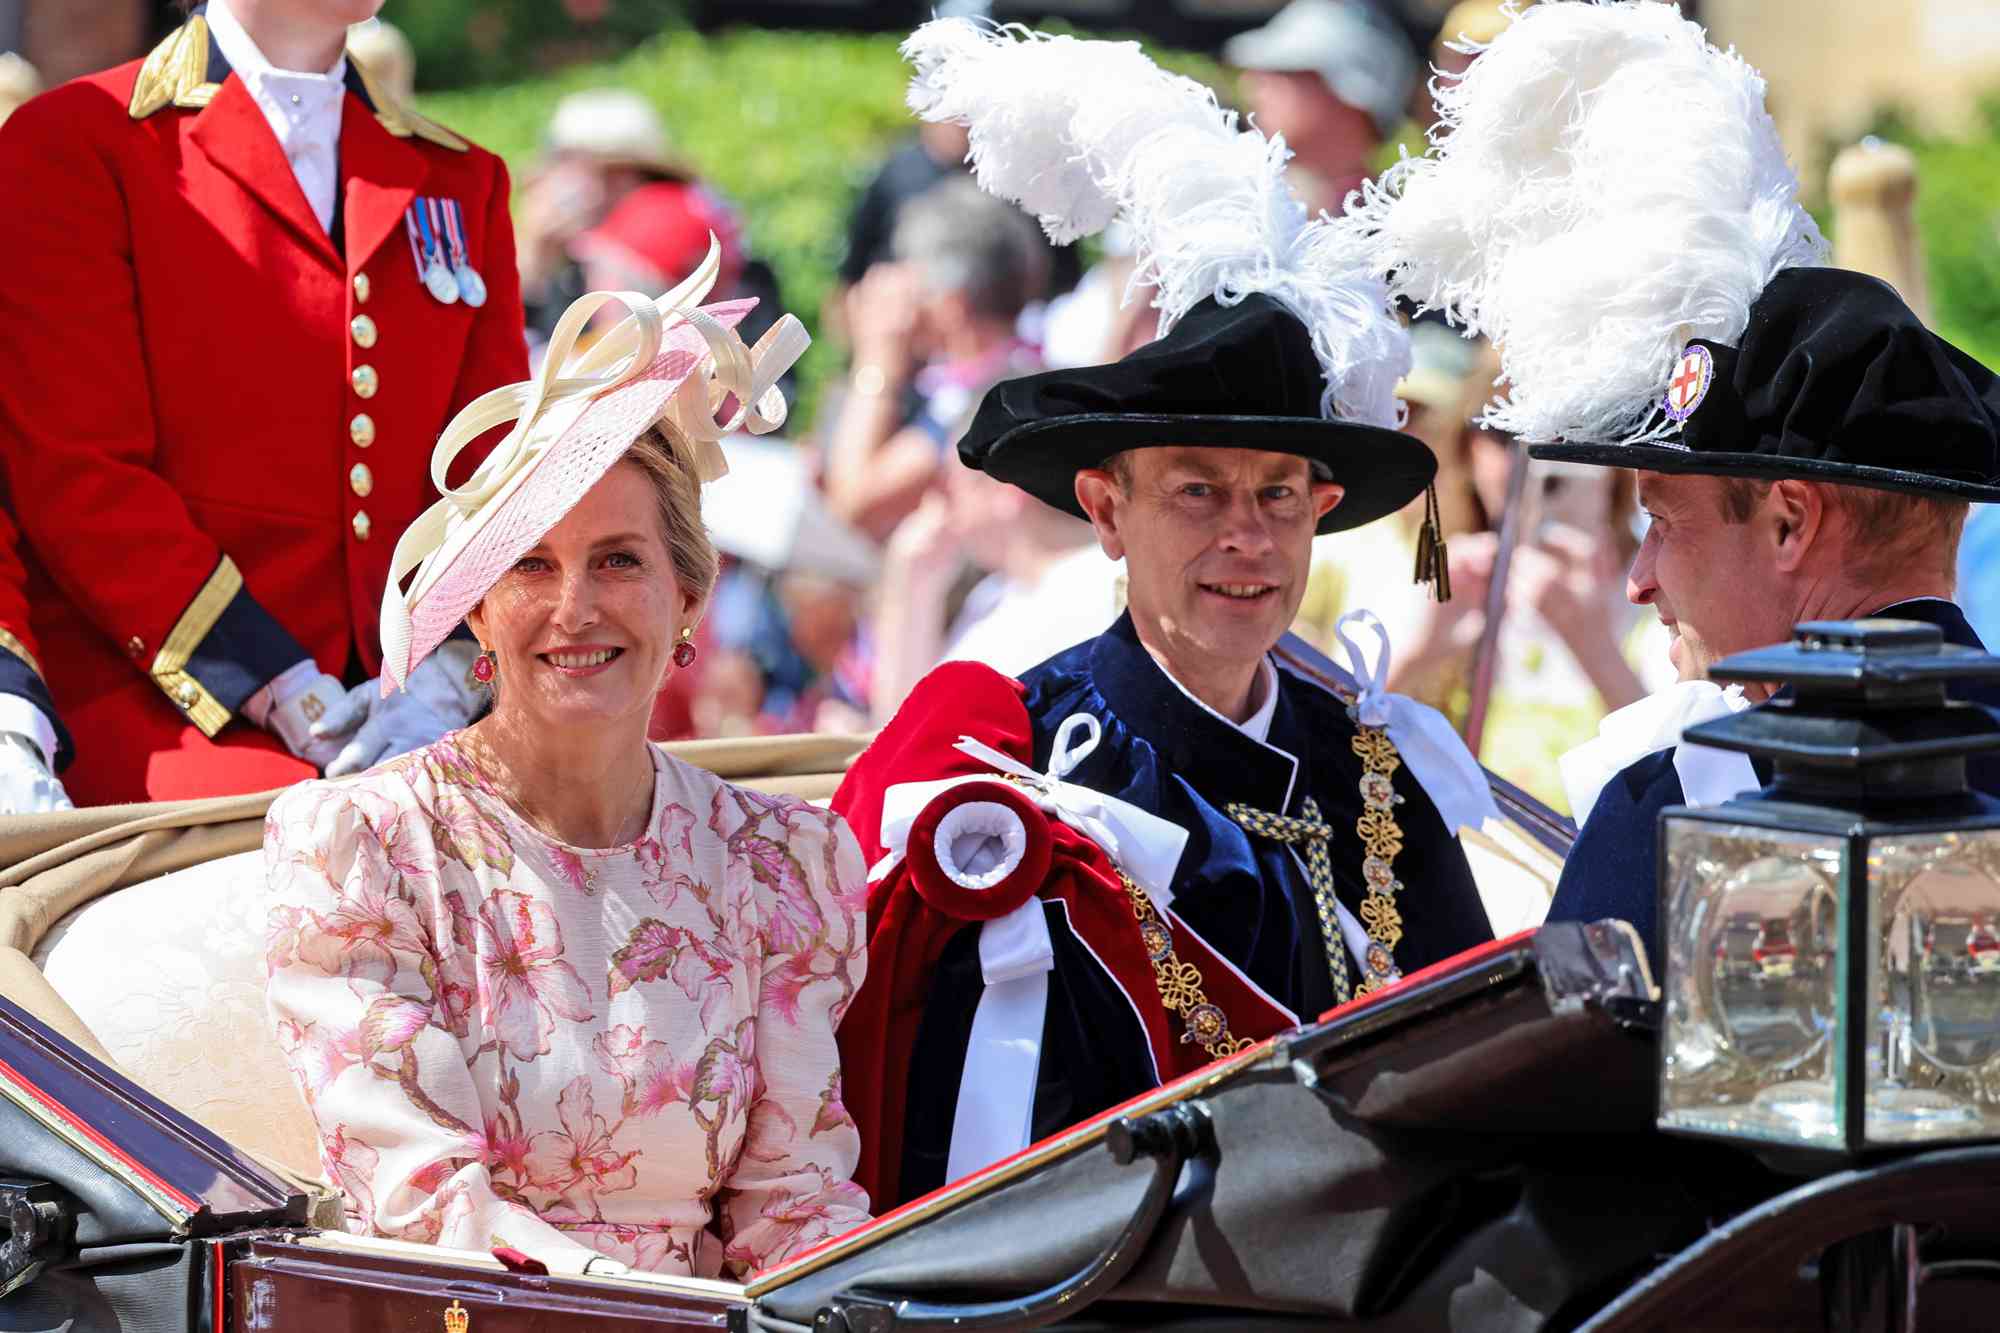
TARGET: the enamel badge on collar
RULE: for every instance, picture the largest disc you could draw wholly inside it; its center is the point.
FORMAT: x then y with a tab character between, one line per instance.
1692	375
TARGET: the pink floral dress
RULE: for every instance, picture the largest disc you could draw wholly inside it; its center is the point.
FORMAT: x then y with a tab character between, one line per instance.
626	1051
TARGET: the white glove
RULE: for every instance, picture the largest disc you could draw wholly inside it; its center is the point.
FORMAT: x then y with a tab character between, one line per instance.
295	707
27	785
441	697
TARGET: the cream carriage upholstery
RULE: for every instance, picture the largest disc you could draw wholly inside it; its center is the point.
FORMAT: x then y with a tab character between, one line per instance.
175	992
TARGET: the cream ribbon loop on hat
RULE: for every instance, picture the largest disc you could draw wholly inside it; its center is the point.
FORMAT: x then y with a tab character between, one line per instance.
543	408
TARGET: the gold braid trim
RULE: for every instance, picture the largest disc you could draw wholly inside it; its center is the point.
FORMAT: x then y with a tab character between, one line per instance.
1180	983
1381	843
169	664
398	119
10	643
175	73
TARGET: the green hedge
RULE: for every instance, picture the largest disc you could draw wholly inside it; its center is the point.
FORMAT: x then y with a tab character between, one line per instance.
461	42
1958	216
789	125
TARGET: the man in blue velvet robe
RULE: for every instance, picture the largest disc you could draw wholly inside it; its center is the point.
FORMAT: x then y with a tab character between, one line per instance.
1316	866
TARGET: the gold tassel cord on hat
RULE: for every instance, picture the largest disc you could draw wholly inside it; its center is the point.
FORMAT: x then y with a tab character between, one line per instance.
1433	565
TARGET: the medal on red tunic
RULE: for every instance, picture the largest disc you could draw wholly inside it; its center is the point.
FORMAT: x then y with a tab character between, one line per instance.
471	287
427	251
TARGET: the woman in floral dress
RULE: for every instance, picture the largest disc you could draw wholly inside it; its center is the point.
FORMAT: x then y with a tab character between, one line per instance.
543	986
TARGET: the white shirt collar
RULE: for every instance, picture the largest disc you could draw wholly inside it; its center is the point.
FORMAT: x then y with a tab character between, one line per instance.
302	108
1258	725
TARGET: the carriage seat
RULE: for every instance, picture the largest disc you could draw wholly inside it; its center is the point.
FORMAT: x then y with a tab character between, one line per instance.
181	1009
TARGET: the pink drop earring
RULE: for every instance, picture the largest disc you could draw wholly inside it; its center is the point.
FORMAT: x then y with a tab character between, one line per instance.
684	651
484	668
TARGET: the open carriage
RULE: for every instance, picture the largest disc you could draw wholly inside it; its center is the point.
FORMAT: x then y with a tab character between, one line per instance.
1472	1148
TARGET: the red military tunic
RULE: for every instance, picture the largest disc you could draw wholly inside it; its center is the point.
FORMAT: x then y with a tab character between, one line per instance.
215	422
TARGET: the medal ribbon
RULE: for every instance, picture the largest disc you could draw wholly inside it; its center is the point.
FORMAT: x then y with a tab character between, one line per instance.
423	209
410	230
454	233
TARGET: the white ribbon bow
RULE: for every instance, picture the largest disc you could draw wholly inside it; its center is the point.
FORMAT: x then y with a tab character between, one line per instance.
993	1116
1429	747
542	409
1144	846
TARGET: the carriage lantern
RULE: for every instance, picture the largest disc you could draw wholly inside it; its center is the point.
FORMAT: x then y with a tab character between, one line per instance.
1832	964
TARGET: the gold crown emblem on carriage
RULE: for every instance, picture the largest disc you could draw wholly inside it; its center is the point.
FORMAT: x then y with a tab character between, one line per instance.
457	1318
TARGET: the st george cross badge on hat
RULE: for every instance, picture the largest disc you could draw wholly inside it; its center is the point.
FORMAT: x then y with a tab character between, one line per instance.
436	229
1689	385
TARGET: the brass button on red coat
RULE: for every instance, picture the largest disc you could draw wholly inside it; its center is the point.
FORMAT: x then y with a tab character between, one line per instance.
361	288
363	329
362	525
361	430
135	647
361	479
365	381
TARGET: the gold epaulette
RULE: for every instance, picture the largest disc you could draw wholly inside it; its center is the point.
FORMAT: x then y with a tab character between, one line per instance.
176	73
399	120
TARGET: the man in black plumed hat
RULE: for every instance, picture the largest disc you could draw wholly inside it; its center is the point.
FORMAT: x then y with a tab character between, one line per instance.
1829	461
1805	447
1289	852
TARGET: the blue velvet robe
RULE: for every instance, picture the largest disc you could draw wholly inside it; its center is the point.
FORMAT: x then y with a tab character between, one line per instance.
1246	896
1613	867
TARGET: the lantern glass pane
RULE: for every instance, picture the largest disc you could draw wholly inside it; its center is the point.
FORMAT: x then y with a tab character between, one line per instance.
1752	932
1934	1029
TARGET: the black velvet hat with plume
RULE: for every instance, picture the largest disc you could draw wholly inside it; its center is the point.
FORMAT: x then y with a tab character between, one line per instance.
1608	200
1275	331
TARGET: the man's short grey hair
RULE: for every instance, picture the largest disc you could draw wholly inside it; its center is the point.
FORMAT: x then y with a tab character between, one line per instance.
964	240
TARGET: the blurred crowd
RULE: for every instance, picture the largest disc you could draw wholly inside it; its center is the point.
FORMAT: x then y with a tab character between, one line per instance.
859	553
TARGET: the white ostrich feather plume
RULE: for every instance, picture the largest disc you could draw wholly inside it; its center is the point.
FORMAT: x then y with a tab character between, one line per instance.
1603	185
1079	133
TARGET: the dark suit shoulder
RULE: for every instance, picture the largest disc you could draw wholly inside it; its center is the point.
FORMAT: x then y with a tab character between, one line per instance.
1613	867
1650	782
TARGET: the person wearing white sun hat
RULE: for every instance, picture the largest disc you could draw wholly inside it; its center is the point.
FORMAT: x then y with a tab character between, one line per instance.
596	986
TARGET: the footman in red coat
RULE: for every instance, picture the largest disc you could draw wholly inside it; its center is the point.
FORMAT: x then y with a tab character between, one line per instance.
225	374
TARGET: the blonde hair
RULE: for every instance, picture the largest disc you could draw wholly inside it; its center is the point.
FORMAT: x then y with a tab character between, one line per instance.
679	496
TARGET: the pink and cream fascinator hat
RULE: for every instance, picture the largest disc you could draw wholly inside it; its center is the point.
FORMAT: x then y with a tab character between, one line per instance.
673	362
